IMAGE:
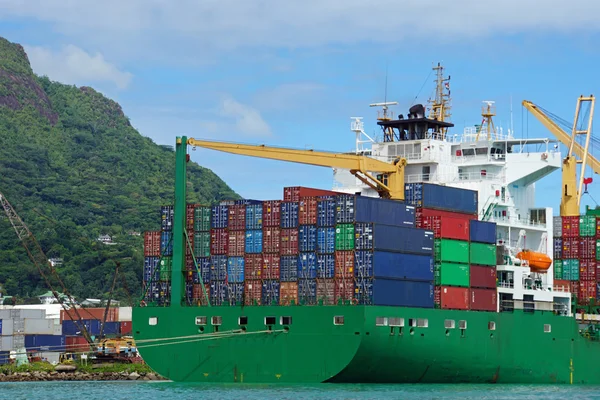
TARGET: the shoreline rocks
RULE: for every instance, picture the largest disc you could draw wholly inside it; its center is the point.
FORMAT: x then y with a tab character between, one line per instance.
40	376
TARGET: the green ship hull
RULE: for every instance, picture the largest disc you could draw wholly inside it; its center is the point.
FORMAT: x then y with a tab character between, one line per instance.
506	347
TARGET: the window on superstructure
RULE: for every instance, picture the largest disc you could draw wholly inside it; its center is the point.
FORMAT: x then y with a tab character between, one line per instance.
270	321
547	328
381	321
462	324
481	151
338	320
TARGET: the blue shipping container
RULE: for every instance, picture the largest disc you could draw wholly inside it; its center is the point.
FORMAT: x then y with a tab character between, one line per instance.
448	198
307	291
289	214
189	290
151	269
254	216
326	240
394	292
4	357
270	292
393	238
166	215
288	268
482	231
390	265
307	266
558	248
218	293
326	211
0	327
307	238
351	208
220	217
112	328
254	241
325	265
203	270
45	342
218	268
166	244
235	269
236	293
70	328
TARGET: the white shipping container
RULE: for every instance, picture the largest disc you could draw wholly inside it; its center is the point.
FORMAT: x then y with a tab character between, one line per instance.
557	226
6	343
18	326
7	327
33	313
50	356
124	314
5	314
19	341
39	326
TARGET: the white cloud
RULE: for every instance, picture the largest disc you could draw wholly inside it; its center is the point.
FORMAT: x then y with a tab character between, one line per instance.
73	65
248	120
201	28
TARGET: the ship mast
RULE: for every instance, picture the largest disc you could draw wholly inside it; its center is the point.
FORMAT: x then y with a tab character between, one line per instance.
487	112
440	104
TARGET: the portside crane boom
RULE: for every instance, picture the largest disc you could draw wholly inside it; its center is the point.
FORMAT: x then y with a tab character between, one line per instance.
389	184
571	189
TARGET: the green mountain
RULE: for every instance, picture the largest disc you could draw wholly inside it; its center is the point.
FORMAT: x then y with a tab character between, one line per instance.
74	168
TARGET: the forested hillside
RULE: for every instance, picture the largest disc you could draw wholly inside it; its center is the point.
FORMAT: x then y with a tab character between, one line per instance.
74	168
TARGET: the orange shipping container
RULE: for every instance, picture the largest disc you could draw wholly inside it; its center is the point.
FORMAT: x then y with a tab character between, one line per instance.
91	313
126	328
288	292
77	344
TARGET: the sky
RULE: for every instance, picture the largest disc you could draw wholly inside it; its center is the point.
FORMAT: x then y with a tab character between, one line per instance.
292	73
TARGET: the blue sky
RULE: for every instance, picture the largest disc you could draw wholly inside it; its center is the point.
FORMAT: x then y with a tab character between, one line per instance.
293	73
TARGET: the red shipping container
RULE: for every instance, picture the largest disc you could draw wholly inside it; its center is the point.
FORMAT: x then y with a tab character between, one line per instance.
289	242
78	344
570	227
91	313
288	292
237	242
253	292
344	264
482	276
597	226
198	294
326	291
294	193
219	241
270	266
574	287
447	227
454	298
271	239
561	285
586	291
437	296
189	217
271	213
125	328
152	244
570	248
344	290
587	270
307	211
421	212
189	249
237	217
148	244
587	247
253	264
484	299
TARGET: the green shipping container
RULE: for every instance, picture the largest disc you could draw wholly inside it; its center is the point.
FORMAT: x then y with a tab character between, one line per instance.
202	244
570	270
558	269
587	225
448	250
597	250
165	268
344	237
202	216
449	274
482	254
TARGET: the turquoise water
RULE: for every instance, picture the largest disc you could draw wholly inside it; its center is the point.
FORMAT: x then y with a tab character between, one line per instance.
169	390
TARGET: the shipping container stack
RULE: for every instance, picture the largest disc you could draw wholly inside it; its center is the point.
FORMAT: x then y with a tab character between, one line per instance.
465	248
575	246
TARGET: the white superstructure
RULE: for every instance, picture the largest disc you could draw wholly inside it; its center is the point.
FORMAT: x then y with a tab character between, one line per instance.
502	168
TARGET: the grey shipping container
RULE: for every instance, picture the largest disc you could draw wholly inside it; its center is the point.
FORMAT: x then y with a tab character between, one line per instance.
42	326
6	343
557	226
6	326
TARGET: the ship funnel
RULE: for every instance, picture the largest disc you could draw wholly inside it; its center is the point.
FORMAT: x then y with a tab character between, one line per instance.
416	111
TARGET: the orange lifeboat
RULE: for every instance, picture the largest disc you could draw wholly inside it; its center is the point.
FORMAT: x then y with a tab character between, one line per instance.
538	261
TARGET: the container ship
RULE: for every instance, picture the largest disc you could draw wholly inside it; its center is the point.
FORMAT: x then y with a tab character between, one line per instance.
426	262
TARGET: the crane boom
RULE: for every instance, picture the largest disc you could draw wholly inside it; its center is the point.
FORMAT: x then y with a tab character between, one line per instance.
571	191
389	184
38	257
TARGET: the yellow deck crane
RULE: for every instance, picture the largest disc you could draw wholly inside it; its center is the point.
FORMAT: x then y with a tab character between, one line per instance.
389	182
572	190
